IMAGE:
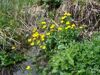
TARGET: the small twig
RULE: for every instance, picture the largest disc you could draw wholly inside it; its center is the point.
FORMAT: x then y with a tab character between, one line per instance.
54	22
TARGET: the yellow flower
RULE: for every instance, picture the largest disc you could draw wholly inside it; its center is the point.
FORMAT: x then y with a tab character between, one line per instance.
43	47
34	29
42	39
13	47
32	43
73	25
59	28
33	38
28	67
67	14
62	21
44	26
48	33
29	40
67	27
36	34
67	23
52	26
42	36
43	22
63	17
80	27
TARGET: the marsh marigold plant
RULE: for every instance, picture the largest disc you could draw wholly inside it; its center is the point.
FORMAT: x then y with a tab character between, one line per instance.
38	37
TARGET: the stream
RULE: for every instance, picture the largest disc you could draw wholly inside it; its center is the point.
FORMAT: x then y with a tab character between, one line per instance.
22	71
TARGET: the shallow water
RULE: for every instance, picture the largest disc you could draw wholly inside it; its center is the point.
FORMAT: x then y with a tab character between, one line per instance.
22	71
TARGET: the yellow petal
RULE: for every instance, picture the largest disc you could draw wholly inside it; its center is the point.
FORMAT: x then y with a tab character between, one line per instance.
73	25
34	29
33	38
43	47
52	26
67	14
28	68
67	23
42	39
67	27
13	47
42	35
59	28
36	34
80	27
62	21
48	33
43	22
32	43
63	17
29	40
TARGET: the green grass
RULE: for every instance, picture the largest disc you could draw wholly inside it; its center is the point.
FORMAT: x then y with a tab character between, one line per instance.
10	9
73	58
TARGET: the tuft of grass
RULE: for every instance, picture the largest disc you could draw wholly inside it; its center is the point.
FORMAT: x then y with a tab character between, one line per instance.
10	11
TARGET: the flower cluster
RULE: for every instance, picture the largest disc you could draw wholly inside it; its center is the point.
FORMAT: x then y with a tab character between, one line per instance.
37	38
66	21
28	67
41	33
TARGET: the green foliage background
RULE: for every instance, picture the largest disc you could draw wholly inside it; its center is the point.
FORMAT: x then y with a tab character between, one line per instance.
73	58
65	53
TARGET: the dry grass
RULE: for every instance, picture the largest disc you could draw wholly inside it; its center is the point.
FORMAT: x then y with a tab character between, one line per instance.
85	12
